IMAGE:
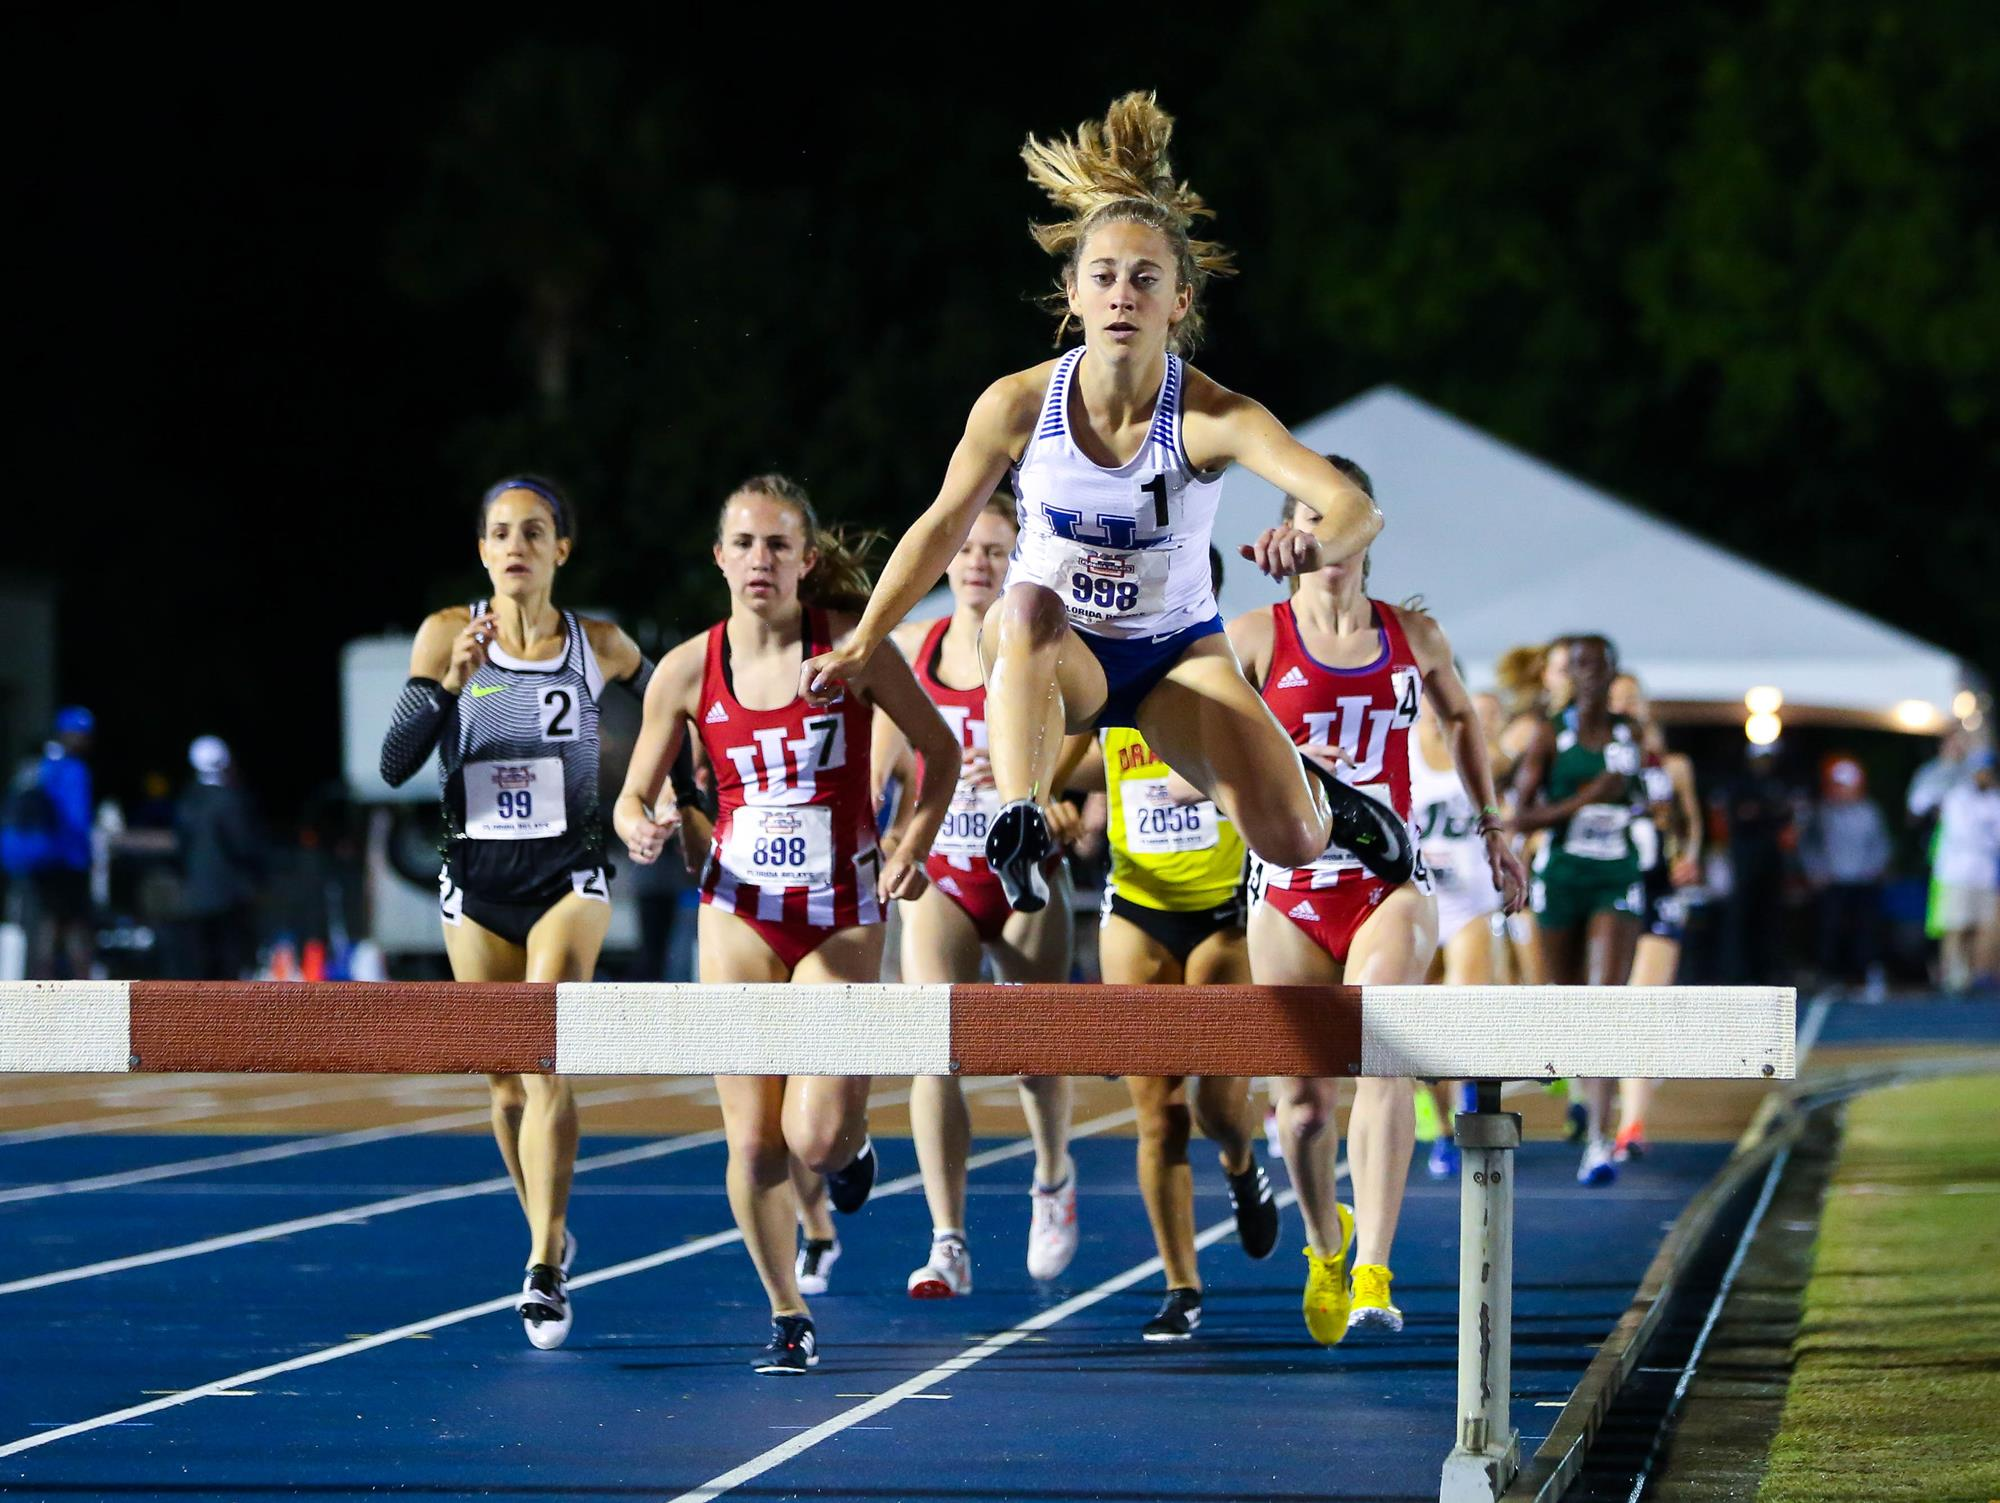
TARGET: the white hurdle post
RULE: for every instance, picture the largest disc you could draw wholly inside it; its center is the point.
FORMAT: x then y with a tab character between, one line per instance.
1487	1451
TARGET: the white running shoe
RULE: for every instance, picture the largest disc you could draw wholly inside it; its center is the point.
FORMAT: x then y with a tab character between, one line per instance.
544	1307
947	1273
816	1260
1599	1167
1052	1229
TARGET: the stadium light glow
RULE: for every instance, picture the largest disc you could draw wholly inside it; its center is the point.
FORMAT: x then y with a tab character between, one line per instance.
1965	704
1765	699
1916	714
1763	728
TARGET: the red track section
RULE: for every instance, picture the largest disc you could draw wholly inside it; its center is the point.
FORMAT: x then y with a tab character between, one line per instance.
427	1027
1124	1030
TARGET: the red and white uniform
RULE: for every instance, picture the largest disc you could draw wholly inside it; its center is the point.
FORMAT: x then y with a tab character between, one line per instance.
1368	713
957	862
794	850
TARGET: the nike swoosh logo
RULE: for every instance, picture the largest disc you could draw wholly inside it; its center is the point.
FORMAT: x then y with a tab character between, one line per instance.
480	691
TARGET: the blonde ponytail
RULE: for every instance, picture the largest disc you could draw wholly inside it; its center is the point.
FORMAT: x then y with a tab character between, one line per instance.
1117	170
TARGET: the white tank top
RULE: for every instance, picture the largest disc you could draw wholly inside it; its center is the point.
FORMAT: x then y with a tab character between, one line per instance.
1447	828
1125	549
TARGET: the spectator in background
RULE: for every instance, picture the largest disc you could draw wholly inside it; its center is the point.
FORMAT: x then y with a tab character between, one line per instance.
45	841
223	861
1845	850
1757	811
1965	862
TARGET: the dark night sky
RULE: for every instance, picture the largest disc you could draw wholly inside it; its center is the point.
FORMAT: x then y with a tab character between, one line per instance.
243	443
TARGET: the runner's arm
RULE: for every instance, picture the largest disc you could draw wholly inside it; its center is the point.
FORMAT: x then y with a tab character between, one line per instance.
999	423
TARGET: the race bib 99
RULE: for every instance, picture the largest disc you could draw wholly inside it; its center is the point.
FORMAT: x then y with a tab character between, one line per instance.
515	800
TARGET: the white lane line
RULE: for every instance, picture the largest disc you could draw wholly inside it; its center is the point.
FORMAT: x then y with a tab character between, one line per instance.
298	1147
505	1302
1815	1020
913	1388
348	1217
193	1108
409	1201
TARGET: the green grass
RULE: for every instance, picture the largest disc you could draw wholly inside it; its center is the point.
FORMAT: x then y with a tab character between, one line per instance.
1896	1391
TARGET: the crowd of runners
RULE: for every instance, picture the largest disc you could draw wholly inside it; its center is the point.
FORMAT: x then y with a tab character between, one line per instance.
1307	794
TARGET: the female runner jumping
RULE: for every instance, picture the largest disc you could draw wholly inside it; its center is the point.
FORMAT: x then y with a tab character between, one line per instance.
794	886
1116	451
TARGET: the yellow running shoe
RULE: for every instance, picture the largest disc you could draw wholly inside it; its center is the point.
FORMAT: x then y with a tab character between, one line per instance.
1430	1126
1372	1310
1327	1295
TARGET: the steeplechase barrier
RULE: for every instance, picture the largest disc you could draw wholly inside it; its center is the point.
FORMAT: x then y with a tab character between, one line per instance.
1482	1034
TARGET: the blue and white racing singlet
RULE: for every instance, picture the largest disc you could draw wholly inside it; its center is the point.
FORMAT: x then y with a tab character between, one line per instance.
1126	549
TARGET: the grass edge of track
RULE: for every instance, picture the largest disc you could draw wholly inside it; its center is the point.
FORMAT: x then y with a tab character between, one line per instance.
1893	1388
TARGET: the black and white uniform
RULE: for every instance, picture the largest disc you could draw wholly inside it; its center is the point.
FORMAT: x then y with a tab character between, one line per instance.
1447	828
1666	908
523	823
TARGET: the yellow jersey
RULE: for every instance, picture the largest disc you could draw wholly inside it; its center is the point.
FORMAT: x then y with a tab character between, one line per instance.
1177	857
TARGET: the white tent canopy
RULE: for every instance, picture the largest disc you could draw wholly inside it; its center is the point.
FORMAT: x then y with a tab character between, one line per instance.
1505	549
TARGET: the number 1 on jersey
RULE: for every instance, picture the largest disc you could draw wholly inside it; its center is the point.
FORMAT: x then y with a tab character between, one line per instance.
1157	489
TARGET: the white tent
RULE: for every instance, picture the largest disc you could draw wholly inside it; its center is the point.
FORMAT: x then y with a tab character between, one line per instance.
1505	549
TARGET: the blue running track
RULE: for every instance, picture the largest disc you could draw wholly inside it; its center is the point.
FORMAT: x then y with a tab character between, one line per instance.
653	1397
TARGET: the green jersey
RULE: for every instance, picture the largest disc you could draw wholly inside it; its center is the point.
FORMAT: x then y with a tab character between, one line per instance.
1594	844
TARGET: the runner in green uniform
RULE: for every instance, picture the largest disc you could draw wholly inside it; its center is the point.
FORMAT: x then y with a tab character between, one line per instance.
1579	780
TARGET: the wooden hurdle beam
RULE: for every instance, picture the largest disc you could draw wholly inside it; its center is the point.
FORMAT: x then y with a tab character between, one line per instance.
1482	1034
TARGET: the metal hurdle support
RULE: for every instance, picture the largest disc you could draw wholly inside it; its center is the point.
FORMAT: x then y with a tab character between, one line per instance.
1481	1034
1487	1452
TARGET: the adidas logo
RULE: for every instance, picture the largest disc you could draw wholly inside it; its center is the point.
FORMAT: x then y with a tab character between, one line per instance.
1305	910
1293	679
716	714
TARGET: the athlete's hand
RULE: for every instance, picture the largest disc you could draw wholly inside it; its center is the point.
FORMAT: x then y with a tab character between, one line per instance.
903	880
976	769
1283	551
1509	875
644	836
468	650
1685	872
822	679
1329	756
1065	821
697	831
1606	788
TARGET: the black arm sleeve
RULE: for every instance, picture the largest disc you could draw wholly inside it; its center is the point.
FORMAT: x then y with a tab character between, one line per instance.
680	777
413	729
641	676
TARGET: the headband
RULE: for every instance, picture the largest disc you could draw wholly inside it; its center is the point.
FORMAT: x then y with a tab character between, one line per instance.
522	483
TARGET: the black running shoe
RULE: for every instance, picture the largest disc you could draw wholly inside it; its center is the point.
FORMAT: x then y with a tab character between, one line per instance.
1256	1210
1367	829
1576	1123
793	1348
848	1188
1180	1314
1016	846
